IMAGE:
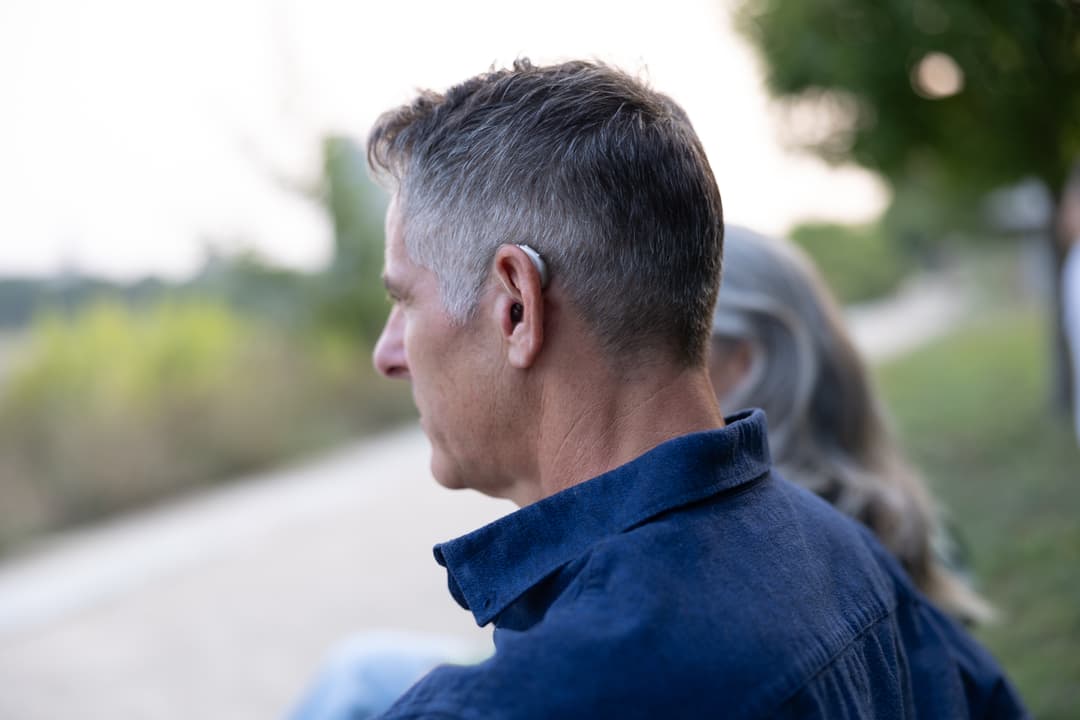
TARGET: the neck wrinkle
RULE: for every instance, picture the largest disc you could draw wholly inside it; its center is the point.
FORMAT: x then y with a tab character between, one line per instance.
614	429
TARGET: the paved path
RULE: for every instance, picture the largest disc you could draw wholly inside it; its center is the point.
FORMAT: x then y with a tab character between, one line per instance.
926	307
221	605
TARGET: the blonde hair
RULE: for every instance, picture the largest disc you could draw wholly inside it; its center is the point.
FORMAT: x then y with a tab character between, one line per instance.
827	428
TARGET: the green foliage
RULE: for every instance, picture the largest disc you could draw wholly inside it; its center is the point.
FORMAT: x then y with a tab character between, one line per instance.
22	299
1015	115
970	410
112	408
947	100
351	297
257	288
858	262
348	297
111	359
921	216
129	393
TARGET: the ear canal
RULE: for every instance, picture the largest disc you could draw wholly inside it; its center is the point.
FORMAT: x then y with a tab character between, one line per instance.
516	312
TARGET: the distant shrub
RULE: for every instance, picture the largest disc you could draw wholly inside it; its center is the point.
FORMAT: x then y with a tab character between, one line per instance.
248	364
859	262
112	407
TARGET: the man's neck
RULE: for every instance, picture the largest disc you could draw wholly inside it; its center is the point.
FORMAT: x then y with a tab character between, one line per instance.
596	421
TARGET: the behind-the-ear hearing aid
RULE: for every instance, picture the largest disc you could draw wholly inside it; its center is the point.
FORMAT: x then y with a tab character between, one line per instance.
541	268
538	263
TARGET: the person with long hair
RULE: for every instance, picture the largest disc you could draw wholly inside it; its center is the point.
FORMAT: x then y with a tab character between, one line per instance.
780	343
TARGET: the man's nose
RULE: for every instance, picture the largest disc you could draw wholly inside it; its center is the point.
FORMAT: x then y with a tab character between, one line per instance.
389	355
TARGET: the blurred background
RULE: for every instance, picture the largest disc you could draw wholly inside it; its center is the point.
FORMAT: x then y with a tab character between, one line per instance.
203	483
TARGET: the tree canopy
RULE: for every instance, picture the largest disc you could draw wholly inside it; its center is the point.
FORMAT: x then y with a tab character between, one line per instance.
946	100
964	95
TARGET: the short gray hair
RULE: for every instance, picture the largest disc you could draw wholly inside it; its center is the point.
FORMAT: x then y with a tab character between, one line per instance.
604	177
827	428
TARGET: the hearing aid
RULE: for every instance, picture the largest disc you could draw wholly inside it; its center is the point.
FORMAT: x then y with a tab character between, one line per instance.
538	263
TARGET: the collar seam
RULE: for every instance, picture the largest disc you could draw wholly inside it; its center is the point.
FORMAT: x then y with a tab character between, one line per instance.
488	588
686	499
699	494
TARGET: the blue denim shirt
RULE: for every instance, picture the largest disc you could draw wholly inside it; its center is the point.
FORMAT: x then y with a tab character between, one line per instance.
693	582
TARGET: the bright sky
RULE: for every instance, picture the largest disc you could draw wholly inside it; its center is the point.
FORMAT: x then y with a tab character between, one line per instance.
135	132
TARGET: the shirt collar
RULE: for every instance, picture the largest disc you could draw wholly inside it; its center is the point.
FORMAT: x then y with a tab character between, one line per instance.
491	567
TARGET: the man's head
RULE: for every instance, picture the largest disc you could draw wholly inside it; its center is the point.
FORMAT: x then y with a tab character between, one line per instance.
605	178
606	181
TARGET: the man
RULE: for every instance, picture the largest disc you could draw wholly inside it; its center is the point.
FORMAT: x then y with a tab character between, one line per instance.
553	252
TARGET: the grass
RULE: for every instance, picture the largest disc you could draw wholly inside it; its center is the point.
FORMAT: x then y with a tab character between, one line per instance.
972	410
11	343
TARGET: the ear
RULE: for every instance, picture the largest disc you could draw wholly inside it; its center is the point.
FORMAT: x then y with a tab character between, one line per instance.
519	305
730	363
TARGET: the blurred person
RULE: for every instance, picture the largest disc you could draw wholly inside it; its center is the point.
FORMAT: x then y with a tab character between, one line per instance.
780	344
366	673
1070	286
553	251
